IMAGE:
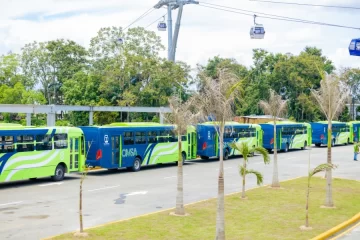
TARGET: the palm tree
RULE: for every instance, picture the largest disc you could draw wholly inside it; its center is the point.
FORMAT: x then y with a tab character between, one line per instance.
244	150
275	107
181	116
216	99
331	97
321	168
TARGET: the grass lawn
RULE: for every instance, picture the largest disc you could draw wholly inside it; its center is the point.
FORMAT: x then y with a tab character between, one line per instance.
267	214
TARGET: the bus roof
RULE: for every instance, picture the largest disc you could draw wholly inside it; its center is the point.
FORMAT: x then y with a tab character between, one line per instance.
230	123
135	124
279	123
326	122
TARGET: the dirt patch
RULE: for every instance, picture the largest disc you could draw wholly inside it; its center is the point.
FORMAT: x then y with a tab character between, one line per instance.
36	217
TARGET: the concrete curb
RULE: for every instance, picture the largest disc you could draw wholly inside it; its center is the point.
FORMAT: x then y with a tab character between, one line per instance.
164	210
338	228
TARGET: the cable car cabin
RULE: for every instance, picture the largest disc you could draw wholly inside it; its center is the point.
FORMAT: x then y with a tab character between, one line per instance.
162	26
257	32
354	47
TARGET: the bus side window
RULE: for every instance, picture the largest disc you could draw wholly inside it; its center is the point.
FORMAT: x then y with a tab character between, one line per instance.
7	144
128	138
140	138
60	141
184	138
43	142
152	137
25	143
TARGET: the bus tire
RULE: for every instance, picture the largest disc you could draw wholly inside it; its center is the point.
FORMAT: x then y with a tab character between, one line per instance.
183	157
226	154
286	147
317	144
304	147
333	143
348	141
204	157
59	173
136	165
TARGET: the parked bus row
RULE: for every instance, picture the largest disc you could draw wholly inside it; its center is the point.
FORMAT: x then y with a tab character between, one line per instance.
32	152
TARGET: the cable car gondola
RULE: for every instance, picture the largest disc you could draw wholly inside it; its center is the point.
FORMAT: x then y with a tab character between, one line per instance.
257	31
354	47
162	25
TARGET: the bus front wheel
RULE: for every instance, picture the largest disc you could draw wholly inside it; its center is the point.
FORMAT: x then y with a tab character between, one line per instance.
304	147
136	165
226	154
59	173
183	158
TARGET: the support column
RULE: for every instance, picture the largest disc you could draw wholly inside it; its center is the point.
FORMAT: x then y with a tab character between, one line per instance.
28	119
91	118
50	119
169	27
161	117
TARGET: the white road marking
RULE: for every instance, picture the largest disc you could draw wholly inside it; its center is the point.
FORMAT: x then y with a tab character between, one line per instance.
50	184
290	158
11	203
136	193
98	189
173	176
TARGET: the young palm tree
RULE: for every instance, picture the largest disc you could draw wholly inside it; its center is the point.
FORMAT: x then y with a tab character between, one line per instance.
216	99
246	151
275	107
321	168
181	116
331	97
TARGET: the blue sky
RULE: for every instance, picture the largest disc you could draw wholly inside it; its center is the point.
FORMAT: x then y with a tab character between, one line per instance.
204	32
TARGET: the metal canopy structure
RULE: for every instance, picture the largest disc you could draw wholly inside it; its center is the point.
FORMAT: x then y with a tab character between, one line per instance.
172	5
51	110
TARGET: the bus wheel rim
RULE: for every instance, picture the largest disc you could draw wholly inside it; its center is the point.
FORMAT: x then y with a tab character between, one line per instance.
137	164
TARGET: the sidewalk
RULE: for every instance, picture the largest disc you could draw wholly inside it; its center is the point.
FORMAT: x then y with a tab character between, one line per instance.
352	233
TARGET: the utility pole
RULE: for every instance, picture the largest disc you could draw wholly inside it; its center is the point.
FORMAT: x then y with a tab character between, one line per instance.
172	5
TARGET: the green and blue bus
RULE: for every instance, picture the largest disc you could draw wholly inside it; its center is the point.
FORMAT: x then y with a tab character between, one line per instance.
354	131
289	135
340	133
133	145
30	153
208	138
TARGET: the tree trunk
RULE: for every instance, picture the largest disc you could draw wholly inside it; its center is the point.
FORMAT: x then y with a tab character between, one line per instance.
329	199
243	180
80	208
220	215
180	183
307	204
275	180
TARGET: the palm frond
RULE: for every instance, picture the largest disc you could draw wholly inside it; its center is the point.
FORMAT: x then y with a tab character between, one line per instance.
264	153
322	168
242	147
242	170
259	176
275	106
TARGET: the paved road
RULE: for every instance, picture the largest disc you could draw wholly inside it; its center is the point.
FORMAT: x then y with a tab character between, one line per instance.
354	234
33	210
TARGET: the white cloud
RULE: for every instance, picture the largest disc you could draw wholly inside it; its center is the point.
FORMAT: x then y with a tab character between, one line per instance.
204	32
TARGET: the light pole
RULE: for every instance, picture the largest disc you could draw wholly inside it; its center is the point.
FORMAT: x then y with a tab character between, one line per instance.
172	5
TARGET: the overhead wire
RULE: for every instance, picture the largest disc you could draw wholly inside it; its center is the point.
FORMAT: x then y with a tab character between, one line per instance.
307	4
150	10
270	16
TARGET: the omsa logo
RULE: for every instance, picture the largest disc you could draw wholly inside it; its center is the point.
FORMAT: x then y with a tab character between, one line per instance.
131	152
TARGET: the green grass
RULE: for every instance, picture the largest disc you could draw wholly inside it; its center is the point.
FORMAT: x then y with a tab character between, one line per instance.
267	214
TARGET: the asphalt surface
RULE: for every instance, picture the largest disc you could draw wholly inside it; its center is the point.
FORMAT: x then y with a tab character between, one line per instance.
41	208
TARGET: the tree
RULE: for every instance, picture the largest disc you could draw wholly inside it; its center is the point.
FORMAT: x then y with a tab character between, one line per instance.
331	98
275	107
182	116
216	101
245	151
321	168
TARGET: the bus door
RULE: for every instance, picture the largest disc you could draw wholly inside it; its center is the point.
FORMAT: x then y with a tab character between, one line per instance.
192	145
116	151
82	152
75	149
